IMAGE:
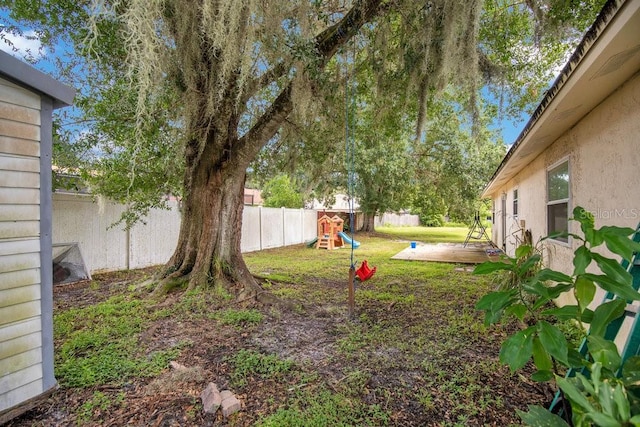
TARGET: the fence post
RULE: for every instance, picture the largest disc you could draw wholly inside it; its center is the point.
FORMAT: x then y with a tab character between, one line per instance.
260	225
127	242
284	232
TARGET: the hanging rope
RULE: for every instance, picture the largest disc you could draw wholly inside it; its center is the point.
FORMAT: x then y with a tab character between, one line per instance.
350	144
350	159
350	88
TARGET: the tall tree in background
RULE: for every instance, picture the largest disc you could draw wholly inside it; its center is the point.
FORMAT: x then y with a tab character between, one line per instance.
384	177
455	160
99	137
229	74
454	150
279	192
524	55
382	129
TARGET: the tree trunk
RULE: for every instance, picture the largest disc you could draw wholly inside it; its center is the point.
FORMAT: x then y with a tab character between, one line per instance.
208	249
369	222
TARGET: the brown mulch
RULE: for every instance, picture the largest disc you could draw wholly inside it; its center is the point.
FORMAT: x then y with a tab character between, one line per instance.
310	338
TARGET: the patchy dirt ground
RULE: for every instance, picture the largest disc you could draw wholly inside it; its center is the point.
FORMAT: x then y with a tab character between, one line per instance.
425	392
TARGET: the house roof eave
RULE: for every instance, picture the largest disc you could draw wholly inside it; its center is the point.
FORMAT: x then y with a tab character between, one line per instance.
610	53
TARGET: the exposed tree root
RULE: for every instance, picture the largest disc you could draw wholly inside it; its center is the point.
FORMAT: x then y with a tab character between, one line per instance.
165	286
255	292
246	291
166	282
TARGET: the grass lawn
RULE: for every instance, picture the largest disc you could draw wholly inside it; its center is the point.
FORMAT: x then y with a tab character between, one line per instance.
415	353
428	234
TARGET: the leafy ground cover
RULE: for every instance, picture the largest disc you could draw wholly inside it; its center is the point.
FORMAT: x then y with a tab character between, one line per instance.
416	351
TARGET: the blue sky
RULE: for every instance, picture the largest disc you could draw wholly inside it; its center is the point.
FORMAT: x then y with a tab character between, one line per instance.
25	46
511	130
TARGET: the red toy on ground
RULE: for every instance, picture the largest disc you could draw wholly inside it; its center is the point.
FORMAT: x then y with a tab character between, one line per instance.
365	272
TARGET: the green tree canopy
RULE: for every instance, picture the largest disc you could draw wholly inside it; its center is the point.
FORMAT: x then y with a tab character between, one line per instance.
213	82
279	192
454	161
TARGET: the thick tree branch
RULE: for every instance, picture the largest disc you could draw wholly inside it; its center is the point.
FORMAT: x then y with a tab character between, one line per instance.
266	127
327	44
330	40
264	80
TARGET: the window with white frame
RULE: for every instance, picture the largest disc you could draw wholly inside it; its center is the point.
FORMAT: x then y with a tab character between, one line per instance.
515	203
558	199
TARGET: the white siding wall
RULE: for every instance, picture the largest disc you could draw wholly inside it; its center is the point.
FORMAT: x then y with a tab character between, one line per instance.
20	309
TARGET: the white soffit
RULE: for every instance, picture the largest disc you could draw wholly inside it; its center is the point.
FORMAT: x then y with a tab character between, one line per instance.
611	59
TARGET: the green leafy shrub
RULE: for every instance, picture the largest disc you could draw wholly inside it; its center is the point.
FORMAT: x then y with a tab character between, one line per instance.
99	344
607	391
323	408
280	192
249	363
434	220
239	317
526	264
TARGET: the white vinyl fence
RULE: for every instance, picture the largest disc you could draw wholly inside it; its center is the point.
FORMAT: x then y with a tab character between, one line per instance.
397	219
79	219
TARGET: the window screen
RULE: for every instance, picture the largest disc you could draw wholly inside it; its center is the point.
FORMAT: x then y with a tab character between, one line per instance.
558	199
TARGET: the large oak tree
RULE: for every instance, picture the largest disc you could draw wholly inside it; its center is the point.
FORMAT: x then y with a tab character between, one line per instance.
229	74
238	70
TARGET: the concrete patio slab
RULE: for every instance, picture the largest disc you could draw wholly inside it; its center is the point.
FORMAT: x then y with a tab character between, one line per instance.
473	253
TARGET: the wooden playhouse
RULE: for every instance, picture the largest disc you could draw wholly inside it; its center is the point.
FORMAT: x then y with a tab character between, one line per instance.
329	230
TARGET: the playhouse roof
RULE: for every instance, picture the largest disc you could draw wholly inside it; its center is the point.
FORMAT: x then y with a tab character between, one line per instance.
607	56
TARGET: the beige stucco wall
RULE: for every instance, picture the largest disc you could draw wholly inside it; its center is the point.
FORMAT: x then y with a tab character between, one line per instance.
603	150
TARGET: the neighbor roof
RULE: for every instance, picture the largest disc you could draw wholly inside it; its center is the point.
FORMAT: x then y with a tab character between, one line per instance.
607	56
23	74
